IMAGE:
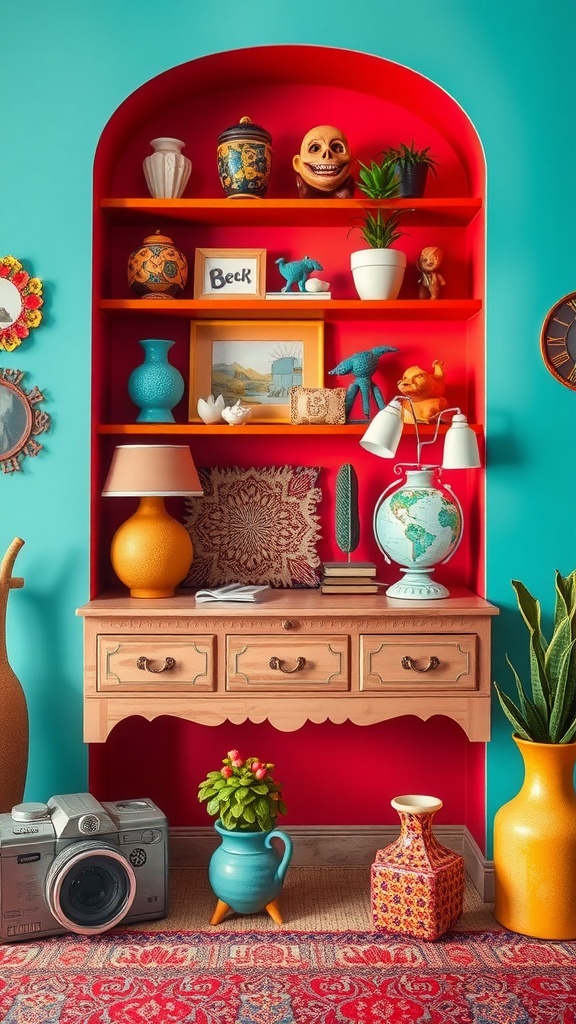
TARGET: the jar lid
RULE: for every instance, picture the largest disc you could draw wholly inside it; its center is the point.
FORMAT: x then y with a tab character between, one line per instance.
245	129
157	239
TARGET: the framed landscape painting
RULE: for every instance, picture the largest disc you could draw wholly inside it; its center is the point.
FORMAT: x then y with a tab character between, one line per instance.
256	362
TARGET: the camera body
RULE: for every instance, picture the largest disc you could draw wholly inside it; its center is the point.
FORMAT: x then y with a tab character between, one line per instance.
75	864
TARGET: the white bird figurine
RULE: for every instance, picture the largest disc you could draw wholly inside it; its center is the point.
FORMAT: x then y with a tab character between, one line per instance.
236	414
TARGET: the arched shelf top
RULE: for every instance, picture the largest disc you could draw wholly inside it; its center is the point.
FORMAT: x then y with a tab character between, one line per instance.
288	89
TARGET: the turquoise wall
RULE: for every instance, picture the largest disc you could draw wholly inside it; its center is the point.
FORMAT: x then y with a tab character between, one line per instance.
66	67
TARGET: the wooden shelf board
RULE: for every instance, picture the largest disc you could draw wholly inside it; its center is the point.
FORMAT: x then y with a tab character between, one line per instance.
175	429
313	212
298	309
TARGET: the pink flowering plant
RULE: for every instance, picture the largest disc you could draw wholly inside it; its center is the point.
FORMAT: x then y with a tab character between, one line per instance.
243	794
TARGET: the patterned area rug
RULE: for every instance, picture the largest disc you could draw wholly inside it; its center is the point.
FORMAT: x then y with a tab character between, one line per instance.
129	977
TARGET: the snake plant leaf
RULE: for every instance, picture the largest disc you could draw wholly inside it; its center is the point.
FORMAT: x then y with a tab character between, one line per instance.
563	707
513	715
346	519
535	721
560	640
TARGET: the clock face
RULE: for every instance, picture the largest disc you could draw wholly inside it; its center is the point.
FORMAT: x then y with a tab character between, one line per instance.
558	341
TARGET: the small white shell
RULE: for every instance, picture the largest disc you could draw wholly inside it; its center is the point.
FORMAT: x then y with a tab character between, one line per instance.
236	414
210	409
314	284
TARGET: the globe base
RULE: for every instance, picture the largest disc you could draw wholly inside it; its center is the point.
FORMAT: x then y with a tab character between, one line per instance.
417	585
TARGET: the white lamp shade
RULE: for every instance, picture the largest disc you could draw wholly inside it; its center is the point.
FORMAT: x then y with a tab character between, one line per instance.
460	445
152	470
383	434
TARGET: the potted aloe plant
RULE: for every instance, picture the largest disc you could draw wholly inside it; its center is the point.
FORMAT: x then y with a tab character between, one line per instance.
535	833
246	871
409	167
378	270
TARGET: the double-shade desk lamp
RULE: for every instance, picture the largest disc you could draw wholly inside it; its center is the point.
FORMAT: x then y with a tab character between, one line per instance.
417	524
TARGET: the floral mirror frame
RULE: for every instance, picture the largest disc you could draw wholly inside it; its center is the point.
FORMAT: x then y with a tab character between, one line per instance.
20	302
20	420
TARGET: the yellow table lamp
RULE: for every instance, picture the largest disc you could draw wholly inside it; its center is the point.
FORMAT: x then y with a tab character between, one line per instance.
151	552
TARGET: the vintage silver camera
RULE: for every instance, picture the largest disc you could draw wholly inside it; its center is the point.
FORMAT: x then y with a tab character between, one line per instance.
78	865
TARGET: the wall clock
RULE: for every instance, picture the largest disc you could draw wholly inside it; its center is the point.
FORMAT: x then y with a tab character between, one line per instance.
558	341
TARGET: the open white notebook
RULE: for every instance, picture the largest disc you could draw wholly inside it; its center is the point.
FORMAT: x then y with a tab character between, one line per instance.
231	592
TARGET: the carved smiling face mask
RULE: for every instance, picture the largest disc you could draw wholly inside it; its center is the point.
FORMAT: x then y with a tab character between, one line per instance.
324	159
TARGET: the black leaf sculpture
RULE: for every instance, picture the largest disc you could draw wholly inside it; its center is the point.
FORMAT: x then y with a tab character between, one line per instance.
346	518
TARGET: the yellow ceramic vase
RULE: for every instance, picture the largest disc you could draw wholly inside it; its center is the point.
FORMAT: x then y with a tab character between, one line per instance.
535	846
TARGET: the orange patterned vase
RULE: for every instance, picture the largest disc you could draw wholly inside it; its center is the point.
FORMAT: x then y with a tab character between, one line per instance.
417	884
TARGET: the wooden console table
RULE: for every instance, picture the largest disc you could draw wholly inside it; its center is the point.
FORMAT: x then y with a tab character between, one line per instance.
294	656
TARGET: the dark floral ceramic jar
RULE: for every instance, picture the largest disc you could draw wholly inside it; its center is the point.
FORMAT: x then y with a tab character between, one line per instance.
245	159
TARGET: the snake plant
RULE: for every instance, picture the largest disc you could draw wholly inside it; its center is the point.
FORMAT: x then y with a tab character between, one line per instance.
548	715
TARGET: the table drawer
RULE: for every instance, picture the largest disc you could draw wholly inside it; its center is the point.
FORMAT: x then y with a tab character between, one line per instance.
419	662
276	663
160	663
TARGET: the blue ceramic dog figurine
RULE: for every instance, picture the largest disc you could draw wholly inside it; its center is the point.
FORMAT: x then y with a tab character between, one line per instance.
297	272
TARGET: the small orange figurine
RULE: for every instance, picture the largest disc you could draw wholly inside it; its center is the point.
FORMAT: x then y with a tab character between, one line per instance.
425	391
323	165
431	282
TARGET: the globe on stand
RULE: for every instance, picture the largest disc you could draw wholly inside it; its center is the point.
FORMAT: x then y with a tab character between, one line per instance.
418	524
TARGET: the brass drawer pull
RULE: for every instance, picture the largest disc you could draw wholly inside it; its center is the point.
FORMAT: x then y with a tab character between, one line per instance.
146	666
433	663
276	663
287	624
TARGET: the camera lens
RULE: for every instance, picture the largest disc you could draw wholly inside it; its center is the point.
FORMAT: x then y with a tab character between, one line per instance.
90	887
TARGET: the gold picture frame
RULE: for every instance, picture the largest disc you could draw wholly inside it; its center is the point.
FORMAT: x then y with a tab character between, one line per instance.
230	273
256	362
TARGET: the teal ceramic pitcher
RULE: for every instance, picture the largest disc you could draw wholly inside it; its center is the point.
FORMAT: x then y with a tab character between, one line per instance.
247	872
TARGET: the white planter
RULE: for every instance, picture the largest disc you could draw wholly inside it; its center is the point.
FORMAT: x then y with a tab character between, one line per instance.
378	273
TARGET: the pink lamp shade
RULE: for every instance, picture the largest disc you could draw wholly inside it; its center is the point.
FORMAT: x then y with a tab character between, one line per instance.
156	470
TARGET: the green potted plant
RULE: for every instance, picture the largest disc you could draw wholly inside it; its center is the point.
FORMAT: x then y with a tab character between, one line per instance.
378	180
246	871
378	270
535	832
243	794
410	167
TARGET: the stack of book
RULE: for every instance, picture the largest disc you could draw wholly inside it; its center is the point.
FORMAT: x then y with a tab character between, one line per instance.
349	578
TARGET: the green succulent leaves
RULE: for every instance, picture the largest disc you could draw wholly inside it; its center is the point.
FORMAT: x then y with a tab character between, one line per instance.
242	802
548	715
378	180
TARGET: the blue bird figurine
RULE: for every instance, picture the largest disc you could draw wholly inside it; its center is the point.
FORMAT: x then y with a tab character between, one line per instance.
363	365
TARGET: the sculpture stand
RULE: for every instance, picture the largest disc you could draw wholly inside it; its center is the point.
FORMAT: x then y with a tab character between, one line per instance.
223	908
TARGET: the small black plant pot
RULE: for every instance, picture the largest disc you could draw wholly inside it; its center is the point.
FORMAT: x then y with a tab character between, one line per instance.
411	180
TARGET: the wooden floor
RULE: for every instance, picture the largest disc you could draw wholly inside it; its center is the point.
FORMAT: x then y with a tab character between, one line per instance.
328	899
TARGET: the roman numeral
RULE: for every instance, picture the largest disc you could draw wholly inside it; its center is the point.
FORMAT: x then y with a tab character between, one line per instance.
572	375
572	304
557	320
560	358
556	341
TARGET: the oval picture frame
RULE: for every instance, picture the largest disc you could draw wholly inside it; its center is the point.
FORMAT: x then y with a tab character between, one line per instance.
21	421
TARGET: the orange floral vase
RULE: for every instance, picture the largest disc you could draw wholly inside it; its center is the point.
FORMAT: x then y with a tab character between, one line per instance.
417	885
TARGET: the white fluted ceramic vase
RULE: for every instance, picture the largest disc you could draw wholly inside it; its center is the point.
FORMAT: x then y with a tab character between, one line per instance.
167	170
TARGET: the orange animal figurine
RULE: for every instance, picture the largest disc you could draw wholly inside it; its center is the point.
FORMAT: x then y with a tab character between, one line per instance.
425	391
431	282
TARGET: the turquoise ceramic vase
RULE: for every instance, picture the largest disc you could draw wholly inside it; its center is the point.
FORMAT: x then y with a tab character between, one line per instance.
155	386
246	871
